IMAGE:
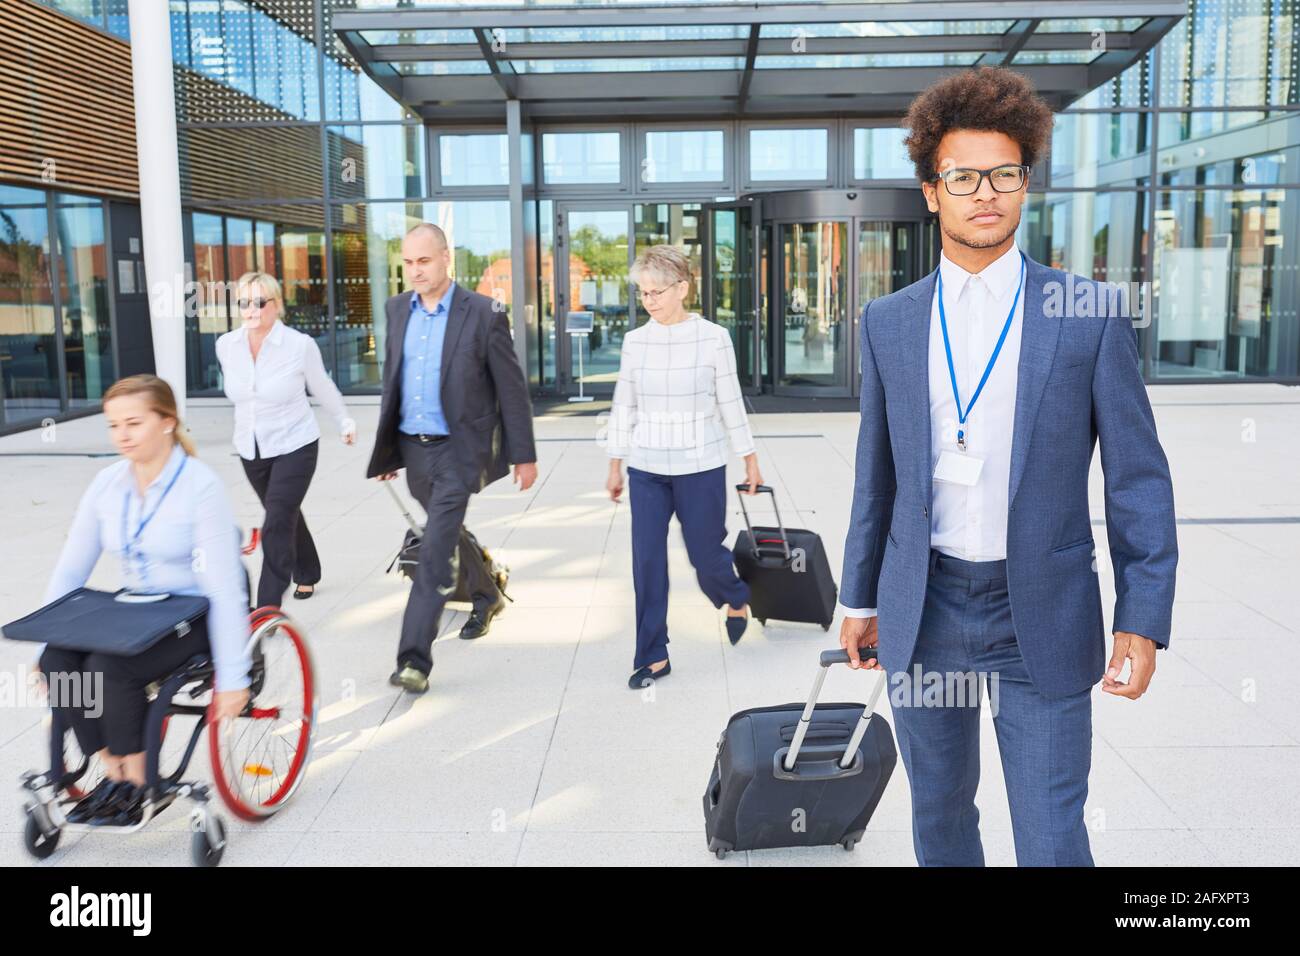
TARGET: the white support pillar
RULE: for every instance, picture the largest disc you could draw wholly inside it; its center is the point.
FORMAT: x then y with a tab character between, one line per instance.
160	187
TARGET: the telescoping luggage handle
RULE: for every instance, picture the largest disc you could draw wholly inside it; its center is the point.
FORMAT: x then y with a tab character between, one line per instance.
785	538
401	506
805	719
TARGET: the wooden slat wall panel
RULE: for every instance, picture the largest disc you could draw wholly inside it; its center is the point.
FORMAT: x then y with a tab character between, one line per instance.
66	109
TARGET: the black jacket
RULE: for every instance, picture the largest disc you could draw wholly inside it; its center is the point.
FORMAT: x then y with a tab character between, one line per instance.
484	391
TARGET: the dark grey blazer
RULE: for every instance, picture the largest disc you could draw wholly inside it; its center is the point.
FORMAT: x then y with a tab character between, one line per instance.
484	391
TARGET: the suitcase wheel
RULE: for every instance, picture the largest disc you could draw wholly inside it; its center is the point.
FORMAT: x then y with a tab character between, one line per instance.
827	627
849	844
720	853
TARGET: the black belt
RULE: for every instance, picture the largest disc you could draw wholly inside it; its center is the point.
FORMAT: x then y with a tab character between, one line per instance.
426	439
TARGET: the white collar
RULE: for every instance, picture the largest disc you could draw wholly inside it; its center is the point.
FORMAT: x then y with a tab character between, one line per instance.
275	336
1000	275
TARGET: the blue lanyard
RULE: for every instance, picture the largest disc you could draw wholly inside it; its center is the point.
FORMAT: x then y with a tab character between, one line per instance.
128	543
947	348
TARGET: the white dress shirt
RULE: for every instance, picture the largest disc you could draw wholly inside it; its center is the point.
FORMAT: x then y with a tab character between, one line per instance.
970	522
270	394
189	545
677	404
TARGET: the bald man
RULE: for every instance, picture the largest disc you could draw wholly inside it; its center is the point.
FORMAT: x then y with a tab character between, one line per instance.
455	412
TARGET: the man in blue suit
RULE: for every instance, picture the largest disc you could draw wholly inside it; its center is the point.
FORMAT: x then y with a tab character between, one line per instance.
986	387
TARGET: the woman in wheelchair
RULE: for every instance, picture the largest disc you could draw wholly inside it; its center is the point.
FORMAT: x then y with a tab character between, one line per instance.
166	516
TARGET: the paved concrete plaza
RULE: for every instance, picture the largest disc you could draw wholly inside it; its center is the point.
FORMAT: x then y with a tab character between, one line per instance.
529	748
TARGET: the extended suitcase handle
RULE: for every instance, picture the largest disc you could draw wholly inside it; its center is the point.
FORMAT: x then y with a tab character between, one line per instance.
805	719
785	538
401	506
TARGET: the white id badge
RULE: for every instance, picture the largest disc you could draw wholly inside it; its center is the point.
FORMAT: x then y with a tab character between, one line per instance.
958	468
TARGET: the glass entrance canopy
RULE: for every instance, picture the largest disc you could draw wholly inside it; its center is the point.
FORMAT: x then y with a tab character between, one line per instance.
447	60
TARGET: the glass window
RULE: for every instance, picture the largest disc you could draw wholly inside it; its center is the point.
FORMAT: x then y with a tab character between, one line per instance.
208	308
683	156
548	305
380	161
352	95
788	155
83	299
474	159
1227	304
675	224
878	153
237	45
1231	53
1099	235
368	269
240	253
581	158
1130	88
117	19
1090	149
29	363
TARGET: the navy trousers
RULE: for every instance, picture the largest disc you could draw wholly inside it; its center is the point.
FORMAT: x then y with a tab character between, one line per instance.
1046	744
700	502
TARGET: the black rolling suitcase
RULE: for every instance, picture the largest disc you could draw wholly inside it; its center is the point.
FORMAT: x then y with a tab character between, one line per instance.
787	571
799	774
467	549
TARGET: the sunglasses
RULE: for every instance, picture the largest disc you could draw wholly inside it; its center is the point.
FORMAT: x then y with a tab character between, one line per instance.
258	303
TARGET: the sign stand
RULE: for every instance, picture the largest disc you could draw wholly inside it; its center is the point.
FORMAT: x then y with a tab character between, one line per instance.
579	326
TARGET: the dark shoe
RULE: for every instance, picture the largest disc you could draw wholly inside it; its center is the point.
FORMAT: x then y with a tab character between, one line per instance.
410	678
736	628
302	595
120	808
94	802
480	621
644	676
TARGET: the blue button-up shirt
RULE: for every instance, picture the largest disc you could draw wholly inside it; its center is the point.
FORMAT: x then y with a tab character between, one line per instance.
422	368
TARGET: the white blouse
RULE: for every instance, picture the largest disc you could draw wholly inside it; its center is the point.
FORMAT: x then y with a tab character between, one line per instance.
677	404
189	544
270	394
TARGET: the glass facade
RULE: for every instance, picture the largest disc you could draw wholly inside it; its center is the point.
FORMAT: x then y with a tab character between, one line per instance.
294	160
56	342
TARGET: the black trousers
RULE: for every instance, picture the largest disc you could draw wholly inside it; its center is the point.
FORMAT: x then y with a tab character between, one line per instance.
288	551
433	481
110	709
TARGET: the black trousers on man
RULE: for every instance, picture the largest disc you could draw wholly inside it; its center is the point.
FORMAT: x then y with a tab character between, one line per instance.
432	479
288	551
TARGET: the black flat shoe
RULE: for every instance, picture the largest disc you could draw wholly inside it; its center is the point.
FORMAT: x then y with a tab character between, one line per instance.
480	621
95	801
302	595
123	808
644	676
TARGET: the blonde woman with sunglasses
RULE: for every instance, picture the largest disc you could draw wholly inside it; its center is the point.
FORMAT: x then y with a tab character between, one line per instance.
268	370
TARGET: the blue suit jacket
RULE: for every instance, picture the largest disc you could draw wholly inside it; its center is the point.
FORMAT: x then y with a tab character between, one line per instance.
1080	384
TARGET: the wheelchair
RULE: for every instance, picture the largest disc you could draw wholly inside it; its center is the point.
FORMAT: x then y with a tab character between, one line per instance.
258	760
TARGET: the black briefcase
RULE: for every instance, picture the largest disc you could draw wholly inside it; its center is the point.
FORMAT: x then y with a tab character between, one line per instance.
799	774
788	573
119	623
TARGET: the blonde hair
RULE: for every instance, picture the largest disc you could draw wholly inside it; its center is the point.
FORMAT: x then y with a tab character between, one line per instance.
269	285
664	261
161	399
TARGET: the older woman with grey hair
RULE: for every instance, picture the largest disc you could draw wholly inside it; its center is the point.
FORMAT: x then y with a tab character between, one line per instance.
677	409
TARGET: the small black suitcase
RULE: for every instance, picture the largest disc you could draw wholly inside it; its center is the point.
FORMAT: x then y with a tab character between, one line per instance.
467	549
788	573
780	777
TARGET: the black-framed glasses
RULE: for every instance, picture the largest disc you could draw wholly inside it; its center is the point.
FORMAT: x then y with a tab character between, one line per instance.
1003	179
258	303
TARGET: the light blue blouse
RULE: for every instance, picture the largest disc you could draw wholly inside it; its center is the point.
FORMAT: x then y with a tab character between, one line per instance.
188	544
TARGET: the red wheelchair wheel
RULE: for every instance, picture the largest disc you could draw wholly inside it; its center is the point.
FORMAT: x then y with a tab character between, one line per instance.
260	758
